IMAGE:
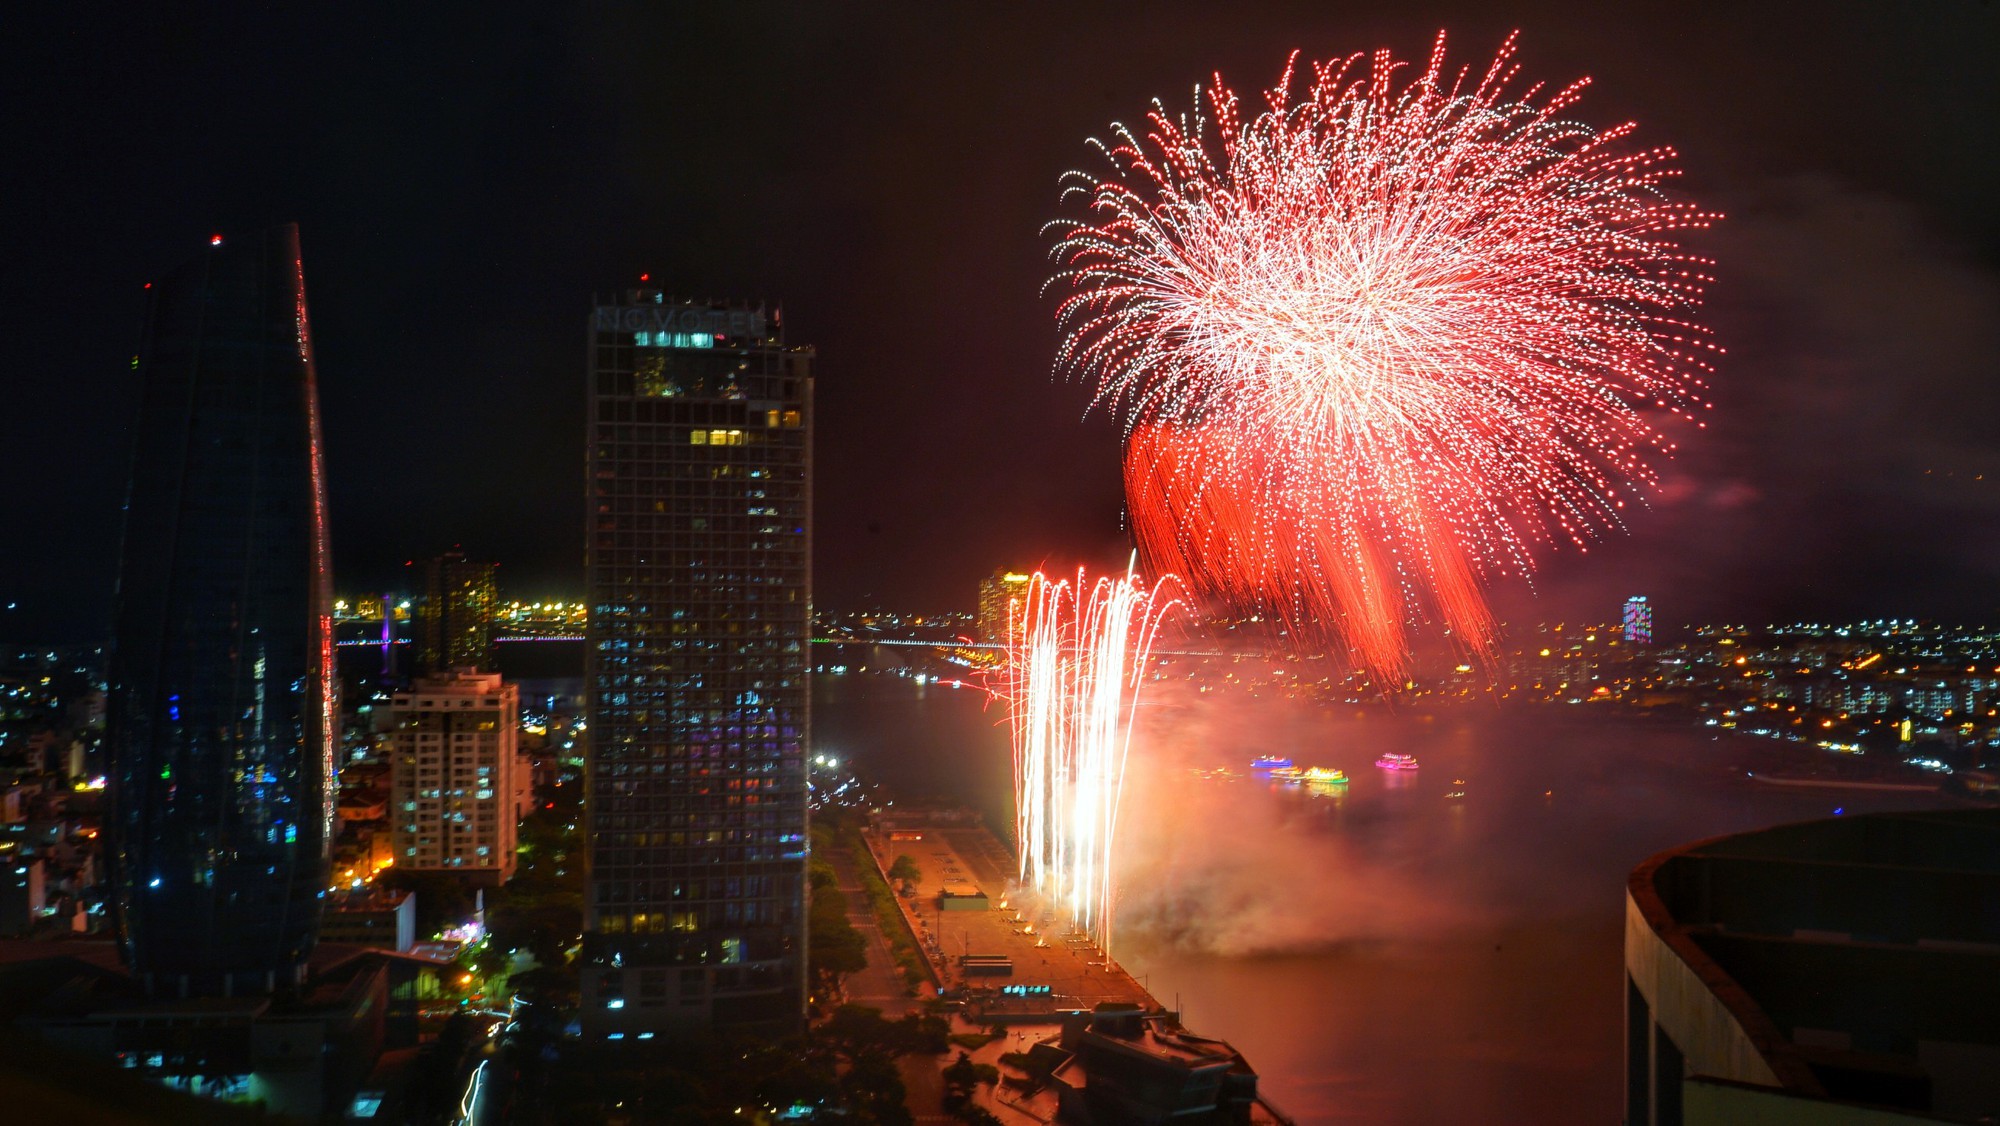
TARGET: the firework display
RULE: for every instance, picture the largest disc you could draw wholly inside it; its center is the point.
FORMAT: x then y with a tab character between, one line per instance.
1077	652
1375	340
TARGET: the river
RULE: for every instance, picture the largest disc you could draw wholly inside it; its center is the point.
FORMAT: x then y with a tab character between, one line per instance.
1389	953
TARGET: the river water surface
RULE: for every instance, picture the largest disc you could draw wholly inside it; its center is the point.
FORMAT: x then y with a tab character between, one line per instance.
1387	952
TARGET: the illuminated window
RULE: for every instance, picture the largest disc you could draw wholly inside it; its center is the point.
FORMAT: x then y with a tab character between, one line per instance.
674	339
698	438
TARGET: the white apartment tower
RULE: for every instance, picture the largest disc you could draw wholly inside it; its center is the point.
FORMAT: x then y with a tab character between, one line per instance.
453	781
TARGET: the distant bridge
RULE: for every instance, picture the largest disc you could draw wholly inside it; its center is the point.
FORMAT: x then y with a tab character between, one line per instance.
990	645
376	642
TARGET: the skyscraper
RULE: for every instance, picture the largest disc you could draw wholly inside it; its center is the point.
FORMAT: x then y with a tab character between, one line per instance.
220	728
1638	620
699	537
455	623
997	594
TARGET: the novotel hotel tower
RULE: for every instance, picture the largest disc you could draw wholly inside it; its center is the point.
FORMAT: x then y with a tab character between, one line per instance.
220	720
698	550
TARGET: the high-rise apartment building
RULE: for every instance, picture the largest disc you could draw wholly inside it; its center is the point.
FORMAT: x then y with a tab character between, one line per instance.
455	623
699	537
454	775
997	593
221	719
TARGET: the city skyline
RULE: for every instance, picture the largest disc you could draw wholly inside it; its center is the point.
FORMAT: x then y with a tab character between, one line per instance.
767	589
1845	474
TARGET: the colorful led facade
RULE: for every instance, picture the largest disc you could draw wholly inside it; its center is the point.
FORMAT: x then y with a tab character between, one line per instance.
1638	619
220	723
699	478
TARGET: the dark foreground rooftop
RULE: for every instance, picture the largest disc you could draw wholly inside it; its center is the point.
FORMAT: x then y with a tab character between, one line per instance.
1853	960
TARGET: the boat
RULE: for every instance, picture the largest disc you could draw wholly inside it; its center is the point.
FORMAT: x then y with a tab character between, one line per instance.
1285	773
1270	762
1832	782
1393	761
1325	775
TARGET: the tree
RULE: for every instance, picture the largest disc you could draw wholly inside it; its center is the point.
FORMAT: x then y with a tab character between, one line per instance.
858	1029
835	948
541	908
820	873
925	1032
490	960
876	1089
959	1079
905	869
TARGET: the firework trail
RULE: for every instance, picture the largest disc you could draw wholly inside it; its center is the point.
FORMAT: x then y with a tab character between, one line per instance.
1374	341
1077	653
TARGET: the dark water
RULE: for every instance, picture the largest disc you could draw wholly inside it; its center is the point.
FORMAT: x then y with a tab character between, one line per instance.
929	742
1387	954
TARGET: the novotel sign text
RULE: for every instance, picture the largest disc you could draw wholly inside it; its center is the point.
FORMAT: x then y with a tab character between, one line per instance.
680	318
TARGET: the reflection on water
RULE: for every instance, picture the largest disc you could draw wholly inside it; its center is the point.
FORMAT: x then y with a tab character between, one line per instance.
927	741
1383	951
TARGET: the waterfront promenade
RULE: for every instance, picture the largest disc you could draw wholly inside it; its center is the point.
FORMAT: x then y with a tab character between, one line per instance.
1051	970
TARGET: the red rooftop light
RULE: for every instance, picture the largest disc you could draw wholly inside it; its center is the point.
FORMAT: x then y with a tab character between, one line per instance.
215	240
645	277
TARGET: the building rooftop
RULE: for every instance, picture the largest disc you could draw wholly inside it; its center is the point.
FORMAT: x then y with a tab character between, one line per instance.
77	977
1123	1063
1854	958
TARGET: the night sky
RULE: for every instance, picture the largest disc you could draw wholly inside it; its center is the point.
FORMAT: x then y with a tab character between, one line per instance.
466	179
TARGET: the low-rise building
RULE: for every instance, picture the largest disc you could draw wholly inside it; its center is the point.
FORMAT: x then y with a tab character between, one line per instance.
1124	1065
302	1054
377	917
23	892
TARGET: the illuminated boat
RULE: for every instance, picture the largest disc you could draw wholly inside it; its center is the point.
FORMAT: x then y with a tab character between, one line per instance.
1285	773
1325	775
1397	762
1270	762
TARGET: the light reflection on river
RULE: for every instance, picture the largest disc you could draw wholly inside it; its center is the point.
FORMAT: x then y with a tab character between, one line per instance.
1390	954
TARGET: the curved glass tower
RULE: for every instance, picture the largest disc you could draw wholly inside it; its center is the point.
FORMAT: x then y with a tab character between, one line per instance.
222	712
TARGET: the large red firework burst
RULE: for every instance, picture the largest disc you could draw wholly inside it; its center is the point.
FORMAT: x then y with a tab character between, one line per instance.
1375	341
